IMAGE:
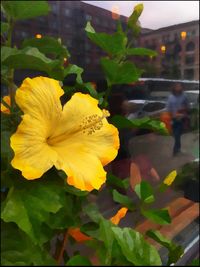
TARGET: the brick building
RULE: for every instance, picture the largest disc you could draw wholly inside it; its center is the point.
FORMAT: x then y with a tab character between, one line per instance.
178	50
177	45
67	19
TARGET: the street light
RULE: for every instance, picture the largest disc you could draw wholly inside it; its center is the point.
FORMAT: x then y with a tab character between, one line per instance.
183	35
38	36
115	12
163	48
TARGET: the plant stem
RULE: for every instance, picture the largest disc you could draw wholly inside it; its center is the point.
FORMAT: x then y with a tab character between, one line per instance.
11	85
108	91
60	255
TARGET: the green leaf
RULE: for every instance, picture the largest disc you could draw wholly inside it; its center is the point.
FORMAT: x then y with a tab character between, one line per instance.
122	122
113	180
89	28
47	45
29	205
64	218
139	51
91	229
28	58
118	259
91	210
107	237
5	145
194	262
19	10
89	89
74	69
175	251
75	191
135	248
123	200
145	192
4	27
113	44
133	19
78	260
7	52
126	183
116	73
17	249
159	216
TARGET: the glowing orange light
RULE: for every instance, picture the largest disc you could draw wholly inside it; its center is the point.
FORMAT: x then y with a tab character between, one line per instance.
94	85
183	35
115	12
163	48
38	36
65	59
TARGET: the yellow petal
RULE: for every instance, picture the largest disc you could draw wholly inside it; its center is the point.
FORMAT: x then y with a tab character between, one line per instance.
5	109
84	140
119	215
33	156
40	97
76	139
170	178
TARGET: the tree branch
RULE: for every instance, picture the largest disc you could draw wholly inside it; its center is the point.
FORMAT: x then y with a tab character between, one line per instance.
60	255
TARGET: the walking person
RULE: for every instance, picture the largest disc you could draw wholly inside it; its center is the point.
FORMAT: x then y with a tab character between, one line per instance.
177	106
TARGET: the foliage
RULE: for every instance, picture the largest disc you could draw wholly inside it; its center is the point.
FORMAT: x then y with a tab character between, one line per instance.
35	213
175	251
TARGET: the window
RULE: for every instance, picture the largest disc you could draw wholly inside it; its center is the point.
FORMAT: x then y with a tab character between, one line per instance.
67	25
67	12
88	17
153	41
163	38
97	20
41	19
69	43
189	74
24	34
177	49
105	23
54	8
176	36
87	46
87	60
189	60
193	32
54	24
146	43
190	46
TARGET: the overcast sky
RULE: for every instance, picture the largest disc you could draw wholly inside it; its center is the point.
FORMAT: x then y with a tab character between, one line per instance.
156	14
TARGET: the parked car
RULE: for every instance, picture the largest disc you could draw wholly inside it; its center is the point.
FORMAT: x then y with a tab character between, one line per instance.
193	98
147	108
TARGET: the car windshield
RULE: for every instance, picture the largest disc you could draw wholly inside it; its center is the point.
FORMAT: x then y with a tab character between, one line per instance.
135	107
192	97
154	106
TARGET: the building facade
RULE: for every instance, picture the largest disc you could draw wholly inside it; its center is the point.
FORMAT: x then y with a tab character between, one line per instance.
178	50
177	45
67	20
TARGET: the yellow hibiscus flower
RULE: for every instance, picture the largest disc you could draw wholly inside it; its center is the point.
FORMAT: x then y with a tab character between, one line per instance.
170	178
75	138
5	109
